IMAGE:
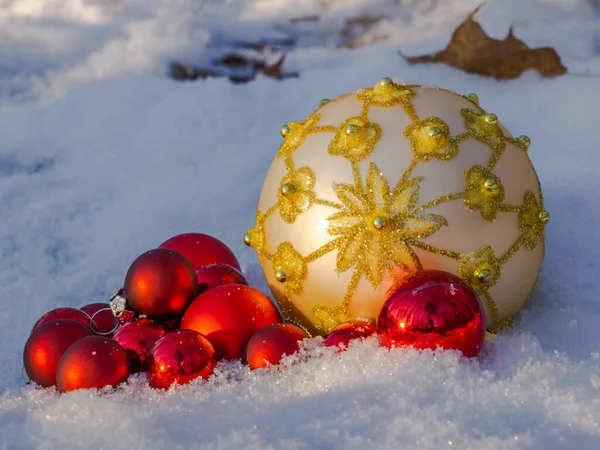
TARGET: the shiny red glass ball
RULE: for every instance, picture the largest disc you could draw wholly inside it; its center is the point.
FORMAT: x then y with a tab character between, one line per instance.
269	344
137	338
103	321
215	275
160	284
432	309
201	250
180	357
46	345
92	362
228	315
64	313
341	335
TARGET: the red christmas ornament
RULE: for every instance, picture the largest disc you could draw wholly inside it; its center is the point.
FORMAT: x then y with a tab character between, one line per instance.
229	315
92	362
137	338
201	250
102	320
64	313
341	335
160	284
432	309
180	357
46	345
215	275
269	344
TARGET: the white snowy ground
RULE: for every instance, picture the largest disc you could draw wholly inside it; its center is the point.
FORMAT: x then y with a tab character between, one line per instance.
103	157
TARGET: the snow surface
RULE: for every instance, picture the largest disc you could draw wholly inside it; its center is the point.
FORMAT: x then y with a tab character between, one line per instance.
102	157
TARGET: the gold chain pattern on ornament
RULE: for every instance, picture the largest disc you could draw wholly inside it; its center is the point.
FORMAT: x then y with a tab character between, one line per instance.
375	226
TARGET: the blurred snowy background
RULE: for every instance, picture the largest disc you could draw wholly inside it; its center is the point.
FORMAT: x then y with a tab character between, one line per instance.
103	156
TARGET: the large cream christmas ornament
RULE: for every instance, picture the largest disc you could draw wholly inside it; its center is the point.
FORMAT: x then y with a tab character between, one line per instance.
389	180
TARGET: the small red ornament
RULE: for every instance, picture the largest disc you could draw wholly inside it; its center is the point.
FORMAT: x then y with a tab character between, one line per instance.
432	309
341	335
160	284
102	320
180	357
92	362
46	345
137	338
229	315
269	344
215	275
64	313
201	250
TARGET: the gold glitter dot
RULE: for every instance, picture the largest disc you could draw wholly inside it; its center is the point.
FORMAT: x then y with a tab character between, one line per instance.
484	276
280	276
490	185
285	130
248	239
351	129
544	216
434	132
287	188
473	98
490	118
324	102
523	142
385	81
379	222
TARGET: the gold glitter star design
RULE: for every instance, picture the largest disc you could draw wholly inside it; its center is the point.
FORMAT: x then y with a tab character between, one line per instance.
480	269
330	316
294	134
355	139
374	224
296	193
290	268
483	192
255	236
430	138
484	127
532	221
386	93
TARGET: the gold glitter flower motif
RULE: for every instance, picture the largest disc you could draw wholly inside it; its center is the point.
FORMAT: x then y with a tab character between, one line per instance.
386	93
484	191
330	316
294	134
290	268
480	269
532	221
296	193
374	224
255	236
430	138
484	127
355	139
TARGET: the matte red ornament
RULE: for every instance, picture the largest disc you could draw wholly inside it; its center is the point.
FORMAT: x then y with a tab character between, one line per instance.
341	335
180	357
201	250
214	275
269	344
137	338
229	315
64	313
160	284
102	320
432	309
92	362
46	345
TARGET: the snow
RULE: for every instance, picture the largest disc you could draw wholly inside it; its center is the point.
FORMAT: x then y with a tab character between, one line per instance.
102	157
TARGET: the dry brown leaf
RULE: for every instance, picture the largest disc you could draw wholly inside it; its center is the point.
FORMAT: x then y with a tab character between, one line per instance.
471	50
238	68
